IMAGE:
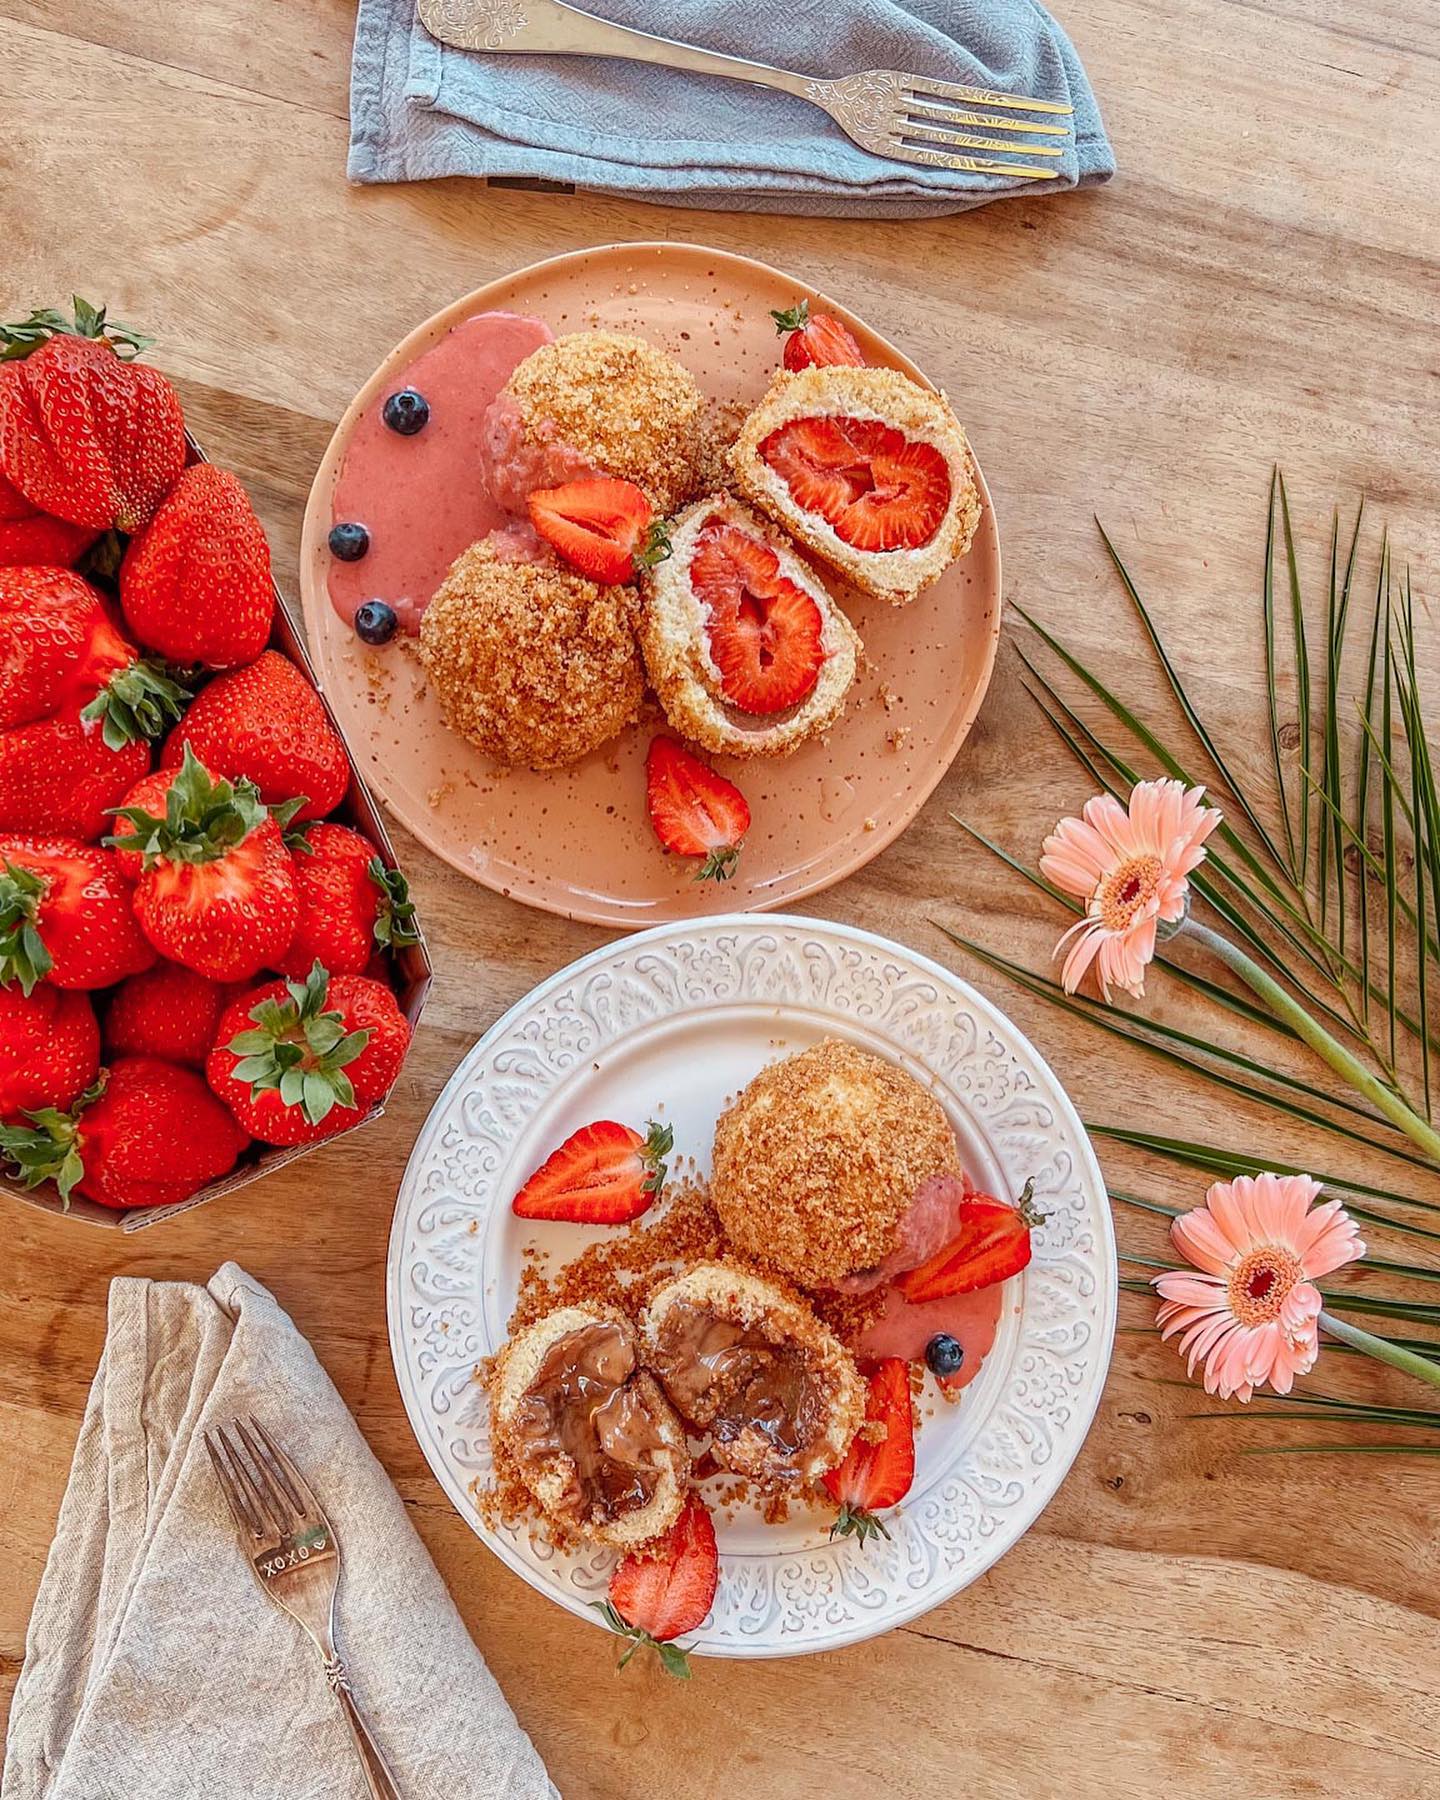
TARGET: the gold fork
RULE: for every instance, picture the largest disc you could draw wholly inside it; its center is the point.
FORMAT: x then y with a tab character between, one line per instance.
295	1558
909	118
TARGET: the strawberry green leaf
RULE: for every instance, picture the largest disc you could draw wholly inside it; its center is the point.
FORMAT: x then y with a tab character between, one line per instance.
657	1146
87	321
858	1522
656	547
299	1049
205	817
138	702
395	910
49	1148
23	956
791	318
719	865
673	1659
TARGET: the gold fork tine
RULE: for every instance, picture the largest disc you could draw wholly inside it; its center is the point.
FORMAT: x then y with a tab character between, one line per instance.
272	1495
959	140
930	114
302	1496
244	1502
923	88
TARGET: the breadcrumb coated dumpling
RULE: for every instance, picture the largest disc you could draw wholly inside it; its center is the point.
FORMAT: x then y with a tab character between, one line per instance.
532	662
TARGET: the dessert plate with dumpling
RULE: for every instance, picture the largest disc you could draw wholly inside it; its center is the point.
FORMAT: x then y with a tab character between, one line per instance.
649	584
751	1287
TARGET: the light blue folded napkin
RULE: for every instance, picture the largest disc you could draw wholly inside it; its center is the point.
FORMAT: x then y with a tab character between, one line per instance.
419	109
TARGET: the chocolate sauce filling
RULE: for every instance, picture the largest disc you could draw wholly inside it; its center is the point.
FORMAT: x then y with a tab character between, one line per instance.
585	1413
734	1381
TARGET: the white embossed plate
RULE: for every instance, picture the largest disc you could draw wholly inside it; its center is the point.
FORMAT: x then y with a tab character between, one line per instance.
671	1023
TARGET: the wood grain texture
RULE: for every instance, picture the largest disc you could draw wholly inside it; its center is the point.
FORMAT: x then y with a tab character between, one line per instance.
1260	282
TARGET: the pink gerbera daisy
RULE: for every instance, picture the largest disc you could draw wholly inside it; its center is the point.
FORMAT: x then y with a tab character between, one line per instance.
1250	1312
1131	869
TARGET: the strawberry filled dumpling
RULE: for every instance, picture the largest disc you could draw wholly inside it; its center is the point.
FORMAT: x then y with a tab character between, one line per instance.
867	469
747	651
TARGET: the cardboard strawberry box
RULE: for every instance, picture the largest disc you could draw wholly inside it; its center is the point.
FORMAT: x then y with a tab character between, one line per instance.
410	978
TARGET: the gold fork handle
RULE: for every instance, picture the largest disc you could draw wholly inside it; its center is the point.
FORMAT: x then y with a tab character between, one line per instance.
549	27
378	1778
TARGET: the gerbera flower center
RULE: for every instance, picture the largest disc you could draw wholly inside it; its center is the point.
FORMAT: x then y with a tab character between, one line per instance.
1262	1281
1127	889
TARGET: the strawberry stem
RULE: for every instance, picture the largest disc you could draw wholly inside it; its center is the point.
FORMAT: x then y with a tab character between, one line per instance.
858	1521
395	913
1029	1212
655	546
299	1049
793	318
673	1659
205	817
720	864
139	702
86	321
23	956
48	1149
657	1146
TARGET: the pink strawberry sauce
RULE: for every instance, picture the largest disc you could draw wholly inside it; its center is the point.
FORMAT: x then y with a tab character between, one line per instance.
424	498
905	1330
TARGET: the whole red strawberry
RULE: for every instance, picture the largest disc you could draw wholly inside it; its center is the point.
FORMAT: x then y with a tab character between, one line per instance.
267	723
86	433
195	584
30	538
216	889
59	775
350	904
296	1061
167	1011
146	1134
65	916
49	1048
60	651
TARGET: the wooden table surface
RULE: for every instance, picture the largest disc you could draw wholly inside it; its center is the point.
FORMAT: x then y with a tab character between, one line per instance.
1260	282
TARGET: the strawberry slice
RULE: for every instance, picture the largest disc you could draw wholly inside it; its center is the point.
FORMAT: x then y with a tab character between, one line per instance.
880	1463
695	812
878	489
603	1174
815	340
667	1589
764	631
993	1243
603	527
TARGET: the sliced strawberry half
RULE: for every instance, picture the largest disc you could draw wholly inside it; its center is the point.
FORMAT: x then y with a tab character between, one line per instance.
764	631
993	1243
601	526
878	489
880	1463
603	1174
658	1594
695	812
815	340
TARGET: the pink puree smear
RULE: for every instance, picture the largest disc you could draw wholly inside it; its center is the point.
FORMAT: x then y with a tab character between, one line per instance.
904	1330
424	498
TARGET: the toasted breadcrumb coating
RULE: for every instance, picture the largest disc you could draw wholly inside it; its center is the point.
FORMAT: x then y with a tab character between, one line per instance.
627	407
532	662
819	1158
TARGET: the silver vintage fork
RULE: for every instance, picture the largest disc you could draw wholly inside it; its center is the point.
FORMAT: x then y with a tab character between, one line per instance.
910	118
295	1558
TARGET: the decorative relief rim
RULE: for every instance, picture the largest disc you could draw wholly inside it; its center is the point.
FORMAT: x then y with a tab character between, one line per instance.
789	1600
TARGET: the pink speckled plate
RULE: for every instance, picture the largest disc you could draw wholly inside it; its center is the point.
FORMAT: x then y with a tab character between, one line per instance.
578	841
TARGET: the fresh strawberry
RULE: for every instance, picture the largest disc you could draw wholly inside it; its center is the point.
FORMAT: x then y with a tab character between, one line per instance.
764	631
216	889
65	916
992	1244
666	1589
880	1463
265	722
60	776
59	650
695	812
603	527
815	340
167	1011
195	584
49	1049
297	1061
350	903
603	1174
30	538
878	489
86	434
146	1134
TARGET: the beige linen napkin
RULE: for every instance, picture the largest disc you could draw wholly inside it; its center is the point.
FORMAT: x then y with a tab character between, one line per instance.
154	1667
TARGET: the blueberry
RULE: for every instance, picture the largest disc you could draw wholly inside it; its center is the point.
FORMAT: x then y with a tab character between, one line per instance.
944	1354
406	412
348	541
375	622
